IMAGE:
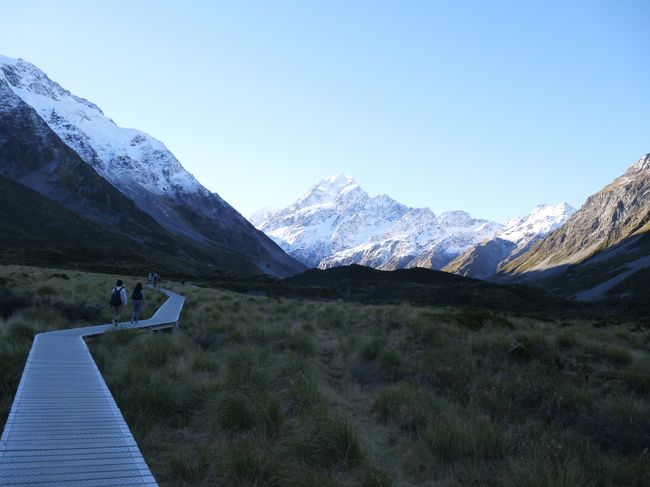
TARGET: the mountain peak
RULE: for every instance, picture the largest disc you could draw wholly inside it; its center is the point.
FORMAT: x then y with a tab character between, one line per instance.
337	181
455	218
545	210
643	164
540	222
261	216
337	223
9	60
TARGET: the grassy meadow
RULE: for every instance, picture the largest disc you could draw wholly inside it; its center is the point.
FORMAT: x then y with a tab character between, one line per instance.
256	390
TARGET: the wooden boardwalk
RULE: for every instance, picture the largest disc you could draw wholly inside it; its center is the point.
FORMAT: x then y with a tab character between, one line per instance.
64	428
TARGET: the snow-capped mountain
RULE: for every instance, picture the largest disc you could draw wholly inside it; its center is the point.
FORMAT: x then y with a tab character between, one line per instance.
337	223
260	217
515	238
142	168
121	155
538	223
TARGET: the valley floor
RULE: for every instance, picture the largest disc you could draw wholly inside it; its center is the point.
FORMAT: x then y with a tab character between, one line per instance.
256	390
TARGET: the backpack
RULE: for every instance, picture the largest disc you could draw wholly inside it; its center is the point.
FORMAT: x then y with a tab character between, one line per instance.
116	297
137	294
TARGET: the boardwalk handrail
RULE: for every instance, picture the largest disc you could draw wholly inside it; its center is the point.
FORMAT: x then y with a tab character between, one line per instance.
64	427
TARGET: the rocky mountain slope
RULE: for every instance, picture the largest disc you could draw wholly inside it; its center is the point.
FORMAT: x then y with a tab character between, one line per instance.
600	246
56	210
337	223
142	169
515	238
619	211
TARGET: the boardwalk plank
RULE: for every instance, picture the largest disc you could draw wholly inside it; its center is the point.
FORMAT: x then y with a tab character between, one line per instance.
64	428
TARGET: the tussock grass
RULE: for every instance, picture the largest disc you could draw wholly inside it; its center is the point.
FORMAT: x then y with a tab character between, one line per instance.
410	407
277	391
453	437
328	442
617	355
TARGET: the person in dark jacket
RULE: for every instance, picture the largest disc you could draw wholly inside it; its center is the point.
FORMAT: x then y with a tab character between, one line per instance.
138	299
118	300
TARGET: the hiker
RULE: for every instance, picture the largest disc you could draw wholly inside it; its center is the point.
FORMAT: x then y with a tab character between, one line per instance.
138	300
118	300
155	279
150	279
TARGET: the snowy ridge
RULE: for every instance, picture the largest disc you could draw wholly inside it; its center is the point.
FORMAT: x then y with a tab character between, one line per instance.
337	223
538	223
484	258
260	217
123	156
143	170
643	164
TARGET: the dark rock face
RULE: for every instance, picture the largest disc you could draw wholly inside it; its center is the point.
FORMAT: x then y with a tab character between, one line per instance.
617	212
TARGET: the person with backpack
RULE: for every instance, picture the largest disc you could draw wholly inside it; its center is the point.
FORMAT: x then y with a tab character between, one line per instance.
138	300
118	300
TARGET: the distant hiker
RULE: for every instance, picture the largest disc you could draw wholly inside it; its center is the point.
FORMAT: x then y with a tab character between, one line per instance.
138	300
155	278
150	279
118	300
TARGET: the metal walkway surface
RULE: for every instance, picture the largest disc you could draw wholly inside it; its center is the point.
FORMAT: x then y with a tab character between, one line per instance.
64	428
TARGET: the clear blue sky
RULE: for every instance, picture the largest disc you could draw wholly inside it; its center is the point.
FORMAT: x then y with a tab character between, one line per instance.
487	106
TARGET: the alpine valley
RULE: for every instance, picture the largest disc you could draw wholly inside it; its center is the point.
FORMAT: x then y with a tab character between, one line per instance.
64	148
347	339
